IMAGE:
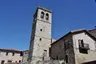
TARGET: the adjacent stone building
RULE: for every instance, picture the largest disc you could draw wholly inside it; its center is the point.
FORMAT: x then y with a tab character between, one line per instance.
10	56
76	47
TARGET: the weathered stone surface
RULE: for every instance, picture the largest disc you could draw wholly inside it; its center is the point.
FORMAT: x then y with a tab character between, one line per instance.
41	36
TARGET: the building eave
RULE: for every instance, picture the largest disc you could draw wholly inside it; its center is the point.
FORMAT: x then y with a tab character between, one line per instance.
10	50
75	32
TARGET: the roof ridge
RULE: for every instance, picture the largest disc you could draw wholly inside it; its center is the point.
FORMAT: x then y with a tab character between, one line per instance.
78	30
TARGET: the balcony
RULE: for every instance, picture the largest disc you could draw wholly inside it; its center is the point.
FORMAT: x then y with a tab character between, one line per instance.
85	46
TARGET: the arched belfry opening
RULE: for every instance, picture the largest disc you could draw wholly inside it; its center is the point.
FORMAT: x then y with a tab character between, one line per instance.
47	16
42	15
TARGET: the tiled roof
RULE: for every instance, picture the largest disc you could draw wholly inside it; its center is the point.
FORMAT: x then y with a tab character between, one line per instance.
9	49
93	32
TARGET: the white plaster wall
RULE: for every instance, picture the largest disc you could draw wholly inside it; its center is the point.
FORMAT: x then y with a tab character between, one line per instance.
86	39
14	58
80	57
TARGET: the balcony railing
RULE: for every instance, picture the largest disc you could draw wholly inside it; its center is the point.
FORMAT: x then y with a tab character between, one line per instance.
85	46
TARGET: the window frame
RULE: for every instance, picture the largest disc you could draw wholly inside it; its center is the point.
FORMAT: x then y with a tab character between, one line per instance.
82	48
81	43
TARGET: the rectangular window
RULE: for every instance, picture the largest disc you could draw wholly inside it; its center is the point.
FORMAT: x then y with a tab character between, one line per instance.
50	52
66	58
83	47
40	29
45	53
81	43
21	53
9	61
19	61
40	39
13	54
6	53
67	44
84	51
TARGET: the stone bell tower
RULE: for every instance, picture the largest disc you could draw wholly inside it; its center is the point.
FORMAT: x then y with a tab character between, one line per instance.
41	35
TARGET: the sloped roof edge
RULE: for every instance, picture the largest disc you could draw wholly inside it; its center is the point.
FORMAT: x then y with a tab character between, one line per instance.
75	32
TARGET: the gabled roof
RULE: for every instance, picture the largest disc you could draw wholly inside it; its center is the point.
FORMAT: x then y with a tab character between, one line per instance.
76	32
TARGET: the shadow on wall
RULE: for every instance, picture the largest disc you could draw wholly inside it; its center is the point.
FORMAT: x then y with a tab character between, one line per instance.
92	62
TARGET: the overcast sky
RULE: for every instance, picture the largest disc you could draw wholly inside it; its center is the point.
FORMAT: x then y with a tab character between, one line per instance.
16	19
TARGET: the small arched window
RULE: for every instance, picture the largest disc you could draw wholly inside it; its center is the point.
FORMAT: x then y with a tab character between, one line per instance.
47	16
42	15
